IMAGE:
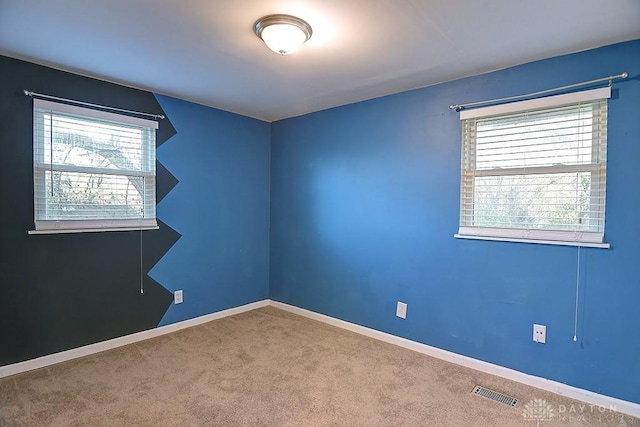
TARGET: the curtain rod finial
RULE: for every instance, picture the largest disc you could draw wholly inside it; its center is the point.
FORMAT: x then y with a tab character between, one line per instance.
625	75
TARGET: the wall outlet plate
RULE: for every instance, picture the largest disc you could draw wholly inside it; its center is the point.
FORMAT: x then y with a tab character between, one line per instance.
401	310
177	297
540	333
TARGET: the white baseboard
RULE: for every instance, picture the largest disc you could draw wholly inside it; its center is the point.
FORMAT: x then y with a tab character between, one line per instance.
586	396
87	350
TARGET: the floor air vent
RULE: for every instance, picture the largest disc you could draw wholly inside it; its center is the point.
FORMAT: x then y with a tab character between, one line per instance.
494	395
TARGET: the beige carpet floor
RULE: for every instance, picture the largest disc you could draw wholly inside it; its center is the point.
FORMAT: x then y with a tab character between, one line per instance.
268	367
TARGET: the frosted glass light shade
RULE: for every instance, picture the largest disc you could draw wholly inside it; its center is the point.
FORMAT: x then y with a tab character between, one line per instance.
283	34
283	38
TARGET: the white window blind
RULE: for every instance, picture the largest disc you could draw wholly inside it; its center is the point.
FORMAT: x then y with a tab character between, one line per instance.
92	170
536	170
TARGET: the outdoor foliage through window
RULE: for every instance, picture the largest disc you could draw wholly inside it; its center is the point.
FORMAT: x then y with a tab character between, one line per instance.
536	170
92	169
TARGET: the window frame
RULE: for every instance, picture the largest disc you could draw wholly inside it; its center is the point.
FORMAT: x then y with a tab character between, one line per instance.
531	235
41	166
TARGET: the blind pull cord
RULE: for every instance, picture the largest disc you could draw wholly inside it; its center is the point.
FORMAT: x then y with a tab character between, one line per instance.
575	322
141	267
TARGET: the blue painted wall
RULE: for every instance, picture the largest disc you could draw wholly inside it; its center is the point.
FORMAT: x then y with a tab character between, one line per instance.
220	207
365	203
62	291
66	291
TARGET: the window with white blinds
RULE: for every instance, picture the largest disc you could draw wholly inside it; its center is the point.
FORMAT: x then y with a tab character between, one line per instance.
92	170
536	170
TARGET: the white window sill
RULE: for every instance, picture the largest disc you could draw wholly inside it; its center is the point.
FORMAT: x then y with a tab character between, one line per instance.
90	230
540	242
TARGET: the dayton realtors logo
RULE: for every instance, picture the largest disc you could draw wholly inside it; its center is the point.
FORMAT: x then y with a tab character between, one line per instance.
595	414
537	410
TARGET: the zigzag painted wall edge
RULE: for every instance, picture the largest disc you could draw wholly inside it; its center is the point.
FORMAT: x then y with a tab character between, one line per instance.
66	291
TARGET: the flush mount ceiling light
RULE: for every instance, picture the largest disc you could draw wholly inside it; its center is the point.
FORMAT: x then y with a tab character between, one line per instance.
283	34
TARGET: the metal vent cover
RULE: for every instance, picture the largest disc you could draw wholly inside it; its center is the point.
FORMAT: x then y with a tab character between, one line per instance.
494	395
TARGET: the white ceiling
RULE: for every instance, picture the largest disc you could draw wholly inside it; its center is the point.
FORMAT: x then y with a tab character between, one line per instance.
205	50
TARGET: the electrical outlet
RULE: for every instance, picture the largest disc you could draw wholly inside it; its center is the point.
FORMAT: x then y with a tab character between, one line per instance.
540	333
177	297
401	310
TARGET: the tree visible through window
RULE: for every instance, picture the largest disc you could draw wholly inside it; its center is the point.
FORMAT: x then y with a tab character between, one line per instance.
92	170
536	174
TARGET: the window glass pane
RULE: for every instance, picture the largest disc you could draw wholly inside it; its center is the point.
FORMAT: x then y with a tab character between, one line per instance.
561	136
92	143
541	201
536	174
73	196
90	167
